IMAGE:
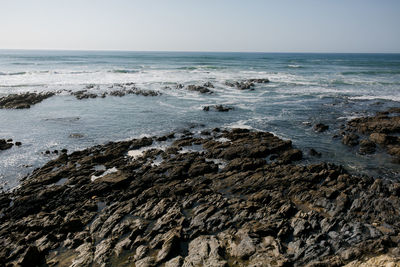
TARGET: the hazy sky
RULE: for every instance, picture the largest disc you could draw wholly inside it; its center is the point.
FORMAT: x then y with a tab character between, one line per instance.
202	25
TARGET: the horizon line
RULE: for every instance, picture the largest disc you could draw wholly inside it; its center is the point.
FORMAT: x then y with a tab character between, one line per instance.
189	51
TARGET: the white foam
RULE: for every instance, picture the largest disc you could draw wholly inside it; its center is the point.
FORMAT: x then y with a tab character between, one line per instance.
109	171
136	153
377	97
223	139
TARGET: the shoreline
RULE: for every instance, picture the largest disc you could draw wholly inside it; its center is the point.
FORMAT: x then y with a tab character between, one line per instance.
225	198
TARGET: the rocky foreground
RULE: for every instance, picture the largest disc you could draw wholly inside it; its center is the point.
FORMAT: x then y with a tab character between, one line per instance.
230	198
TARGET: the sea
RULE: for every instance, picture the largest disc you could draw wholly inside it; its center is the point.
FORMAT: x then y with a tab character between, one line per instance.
304	89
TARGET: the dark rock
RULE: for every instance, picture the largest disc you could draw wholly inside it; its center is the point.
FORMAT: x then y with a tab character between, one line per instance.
248	84
382	139
76	135
221	108
102	207
367	147
206	108
24	100
84	94
291	155
314	153
262	80
243	85
4	145
18	143
320	127
208	84
200	89
31	257
350	139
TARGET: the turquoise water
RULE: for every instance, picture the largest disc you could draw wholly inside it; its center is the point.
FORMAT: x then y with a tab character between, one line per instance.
304	89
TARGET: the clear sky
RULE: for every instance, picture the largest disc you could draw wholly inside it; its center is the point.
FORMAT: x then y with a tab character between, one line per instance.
202	25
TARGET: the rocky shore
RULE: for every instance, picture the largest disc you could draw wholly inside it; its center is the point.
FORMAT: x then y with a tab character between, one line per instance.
381	130
223	198
22	101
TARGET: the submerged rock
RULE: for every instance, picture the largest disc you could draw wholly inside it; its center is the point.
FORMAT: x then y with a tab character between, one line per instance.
367	147
350	139
219	108
247	84
320	127
198	88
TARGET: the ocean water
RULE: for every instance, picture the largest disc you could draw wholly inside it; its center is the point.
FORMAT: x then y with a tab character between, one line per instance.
305	89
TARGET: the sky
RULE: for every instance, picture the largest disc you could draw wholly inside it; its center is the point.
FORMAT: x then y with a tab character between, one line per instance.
202	25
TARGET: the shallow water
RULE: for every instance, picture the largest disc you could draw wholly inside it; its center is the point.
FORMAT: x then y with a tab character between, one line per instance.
304	89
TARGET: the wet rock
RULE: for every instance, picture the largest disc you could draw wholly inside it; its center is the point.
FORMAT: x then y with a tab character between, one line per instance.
18	143
198	88
76	135
247	84
378	123
261	80
291	155
320	127
314	153
4	145
367	147
243	85
382	129
84	94
350	139
382	139
225	205
125	89
24	100
221	108
208	84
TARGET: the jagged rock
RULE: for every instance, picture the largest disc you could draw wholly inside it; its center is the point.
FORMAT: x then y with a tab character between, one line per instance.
291	155
4	145
208	84
24	100
76	135
350	139
200	89
221	108
226	205
314	153
31	257
367	147
205	251
320	127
